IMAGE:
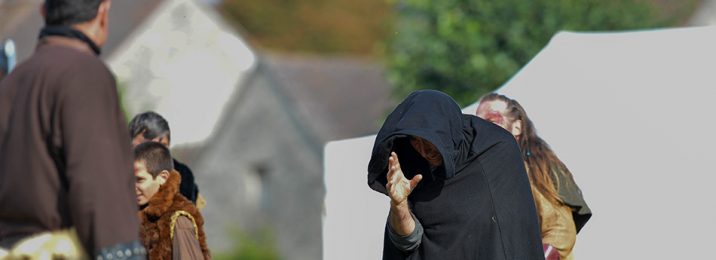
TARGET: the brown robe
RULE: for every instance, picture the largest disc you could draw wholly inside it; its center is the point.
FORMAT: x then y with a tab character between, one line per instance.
65	157
172	227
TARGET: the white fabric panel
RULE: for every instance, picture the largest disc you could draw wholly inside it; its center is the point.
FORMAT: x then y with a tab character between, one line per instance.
632	116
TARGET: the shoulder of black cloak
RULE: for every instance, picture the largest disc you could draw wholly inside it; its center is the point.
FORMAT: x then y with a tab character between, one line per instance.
181	167
497	156
188	186
485	135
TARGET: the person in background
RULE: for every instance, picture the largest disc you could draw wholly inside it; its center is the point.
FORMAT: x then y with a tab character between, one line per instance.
150	126
7	57
559	201
65	159
456	183
172	227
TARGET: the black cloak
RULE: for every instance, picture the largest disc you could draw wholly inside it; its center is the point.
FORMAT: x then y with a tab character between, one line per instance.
478	204
188	187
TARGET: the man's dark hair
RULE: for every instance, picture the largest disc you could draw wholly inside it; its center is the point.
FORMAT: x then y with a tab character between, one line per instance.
69	12
150	125
156	157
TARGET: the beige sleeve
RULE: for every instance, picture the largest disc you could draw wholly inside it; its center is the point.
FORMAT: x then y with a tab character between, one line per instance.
185	244
558	227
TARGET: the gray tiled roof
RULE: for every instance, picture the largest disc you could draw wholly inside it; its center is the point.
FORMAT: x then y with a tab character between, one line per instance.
338	97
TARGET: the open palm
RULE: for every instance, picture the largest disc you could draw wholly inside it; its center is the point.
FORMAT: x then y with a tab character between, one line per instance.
399	187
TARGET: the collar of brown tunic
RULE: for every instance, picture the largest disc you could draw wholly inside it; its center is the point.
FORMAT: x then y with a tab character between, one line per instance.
164	198
64	41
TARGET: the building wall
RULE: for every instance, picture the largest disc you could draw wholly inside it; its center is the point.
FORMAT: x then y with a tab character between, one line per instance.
184	63
262	169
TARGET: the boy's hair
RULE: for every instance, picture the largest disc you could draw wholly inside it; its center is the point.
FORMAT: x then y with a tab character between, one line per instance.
69	12
156	157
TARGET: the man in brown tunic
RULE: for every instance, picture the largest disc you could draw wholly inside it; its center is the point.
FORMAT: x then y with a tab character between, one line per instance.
65	158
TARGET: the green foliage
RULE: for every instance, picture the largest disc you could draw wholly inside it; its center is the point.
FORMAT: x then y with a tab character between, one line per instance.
312	26
467	48
252	246
121	88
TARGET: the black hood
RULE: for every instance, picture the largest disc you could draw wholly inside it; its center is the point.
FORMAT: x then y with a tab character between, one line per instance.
478	205
433	116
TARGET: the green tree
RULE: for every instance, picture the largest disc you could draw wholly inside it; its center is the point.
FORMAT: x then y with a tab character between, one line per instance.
312	26
121	90
467	48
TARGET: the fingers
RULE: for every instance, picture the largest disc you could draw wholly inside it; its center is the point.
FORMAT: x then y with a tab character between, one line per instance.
414	182
397	185
391	172
393	162
393	166
394	159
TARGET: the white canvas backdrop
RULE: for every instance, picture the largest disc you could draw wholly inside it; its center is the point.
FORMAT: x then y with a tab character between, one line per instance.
632	116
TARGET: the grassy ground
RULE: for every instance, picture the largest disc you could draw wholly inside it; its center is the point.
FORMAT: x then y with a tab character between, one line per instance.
355	27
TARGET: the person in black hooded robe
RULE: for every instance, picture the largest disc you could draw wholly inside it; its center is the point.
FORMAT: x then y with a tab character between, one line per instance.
458	186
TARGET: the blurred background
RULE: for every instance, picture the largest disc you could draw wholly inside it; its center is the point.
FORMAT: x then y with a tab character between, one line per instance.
254	89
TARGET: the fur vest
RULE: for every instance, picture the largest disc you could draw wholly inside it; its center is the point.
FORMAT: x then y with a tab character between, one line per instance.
159	216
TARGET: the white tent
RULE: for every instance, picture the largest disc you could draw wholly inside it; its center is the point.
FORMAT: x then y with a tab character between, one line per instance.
631	114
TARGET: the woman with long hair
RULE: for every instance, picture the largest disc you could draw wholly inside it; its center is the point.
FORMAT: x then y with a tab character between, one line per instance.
561	208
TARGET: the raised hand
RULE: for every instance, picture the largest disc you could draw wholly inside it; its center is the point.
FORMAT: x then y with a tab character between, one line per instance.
398	186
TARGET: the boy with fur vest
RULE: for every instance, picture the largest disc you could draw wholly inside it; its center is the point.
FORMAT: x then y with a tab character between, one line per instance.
172	227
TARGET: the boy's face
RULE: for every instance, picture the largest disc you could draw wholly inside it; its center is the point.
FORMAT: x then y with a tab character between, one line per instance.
146	185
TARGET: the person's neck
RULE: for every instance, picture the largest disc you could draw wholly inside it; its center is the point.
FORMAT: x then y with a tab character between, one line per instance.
71	42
